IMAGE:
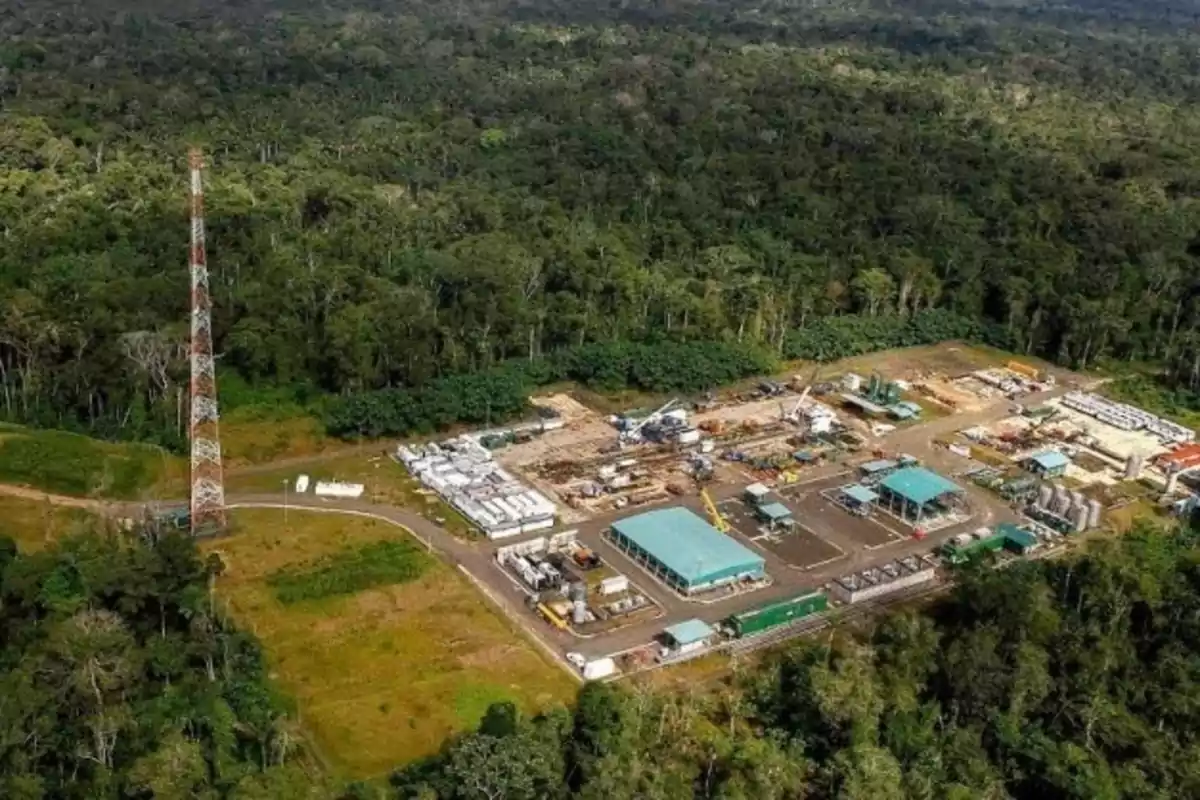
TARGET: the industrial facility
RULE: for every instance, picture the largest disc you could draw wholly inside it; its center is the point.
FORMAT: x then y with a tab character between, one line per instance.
1127	417
571	587
685	552
917	495
463	472
885	579
770	616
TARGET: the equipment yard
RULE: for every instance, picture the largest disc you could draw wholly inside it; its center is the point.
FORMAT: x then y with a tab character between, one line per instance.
703	508
717	521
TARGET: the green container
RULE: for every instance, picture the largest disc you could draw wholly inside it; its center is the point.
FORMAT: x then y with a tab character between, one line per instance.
957	554
772	615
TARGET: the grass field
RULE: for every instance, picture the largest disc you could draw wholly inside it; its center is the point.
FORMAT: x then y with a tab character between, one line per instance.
66	463
383	676
386	482
33	524
251	435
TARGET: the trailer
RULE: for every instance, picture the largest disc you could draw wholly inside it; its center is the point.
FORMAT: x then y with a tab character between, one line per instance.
782	612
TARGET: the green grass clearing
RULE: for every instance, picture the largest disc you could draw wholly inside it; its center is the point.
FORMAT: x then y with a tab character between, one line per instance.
383	676
386	482
352	571
34	524
64	463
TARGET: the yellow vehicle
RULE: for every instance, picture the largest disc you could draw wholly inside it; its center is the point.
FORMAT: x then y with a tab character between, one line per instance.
714	514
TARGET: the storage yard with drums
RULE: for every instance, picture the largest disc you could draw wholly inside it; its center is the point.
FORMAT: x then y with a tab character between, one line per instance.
655	535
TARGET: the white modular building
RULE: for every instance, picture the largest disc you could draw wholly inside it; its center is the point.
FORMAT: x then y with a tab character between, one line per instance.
464	473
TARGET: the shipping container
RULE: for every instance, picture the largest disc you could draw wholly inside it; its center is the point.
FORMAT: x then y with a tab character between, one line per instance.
763	618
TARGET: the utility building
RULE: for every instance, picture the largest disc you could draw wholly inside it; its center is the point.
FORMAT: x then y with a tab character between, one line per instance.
682	550
776	515
915	493
1048	464
687	637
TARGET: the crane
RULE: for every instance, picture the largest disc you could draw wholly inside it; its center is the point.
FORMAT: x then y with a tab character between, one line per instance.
794	414
631	434
714	514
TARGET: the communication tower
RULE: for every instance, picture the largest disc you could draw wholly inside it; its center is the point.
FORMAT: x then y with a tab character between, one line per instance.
208	485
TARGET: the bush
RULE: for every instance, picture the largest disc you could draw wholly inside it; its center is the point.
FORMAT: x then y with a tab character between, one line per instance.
833	338
500	394
377	564
66	463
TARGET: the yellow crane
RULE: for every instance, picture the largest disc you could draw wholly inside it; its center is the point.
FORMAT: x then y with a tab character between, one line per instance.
714	514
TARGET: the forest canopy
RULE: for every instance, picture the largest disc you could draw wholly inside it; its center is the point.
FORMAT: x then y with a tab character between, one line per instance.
401	192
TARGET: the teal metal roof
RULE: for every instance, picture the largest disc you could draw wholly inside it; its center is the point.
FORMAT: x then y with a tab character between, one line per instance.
1051	459
918	485
686	544
1016	535
878	466
860	493
692	630
775	511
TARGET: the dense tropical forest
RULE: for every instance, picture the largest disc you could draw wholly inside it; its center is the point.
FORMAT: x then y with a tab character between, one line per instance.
406	191
121	677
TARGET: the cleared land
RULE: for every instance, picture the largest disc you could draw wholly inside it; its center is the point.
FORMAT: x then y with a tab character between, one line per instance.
253	435
33	524
66	463
383	676
386	482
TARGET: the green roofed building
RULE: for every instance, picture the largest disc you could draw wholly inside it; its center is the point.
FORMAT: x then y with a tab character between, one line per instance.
915	492
684	551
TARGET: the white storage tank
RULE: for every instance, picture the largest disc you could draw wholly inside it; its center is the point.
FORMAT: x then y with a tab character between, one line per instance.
1094	512
1079	518
1045	495
1062	501
302	484
1133	467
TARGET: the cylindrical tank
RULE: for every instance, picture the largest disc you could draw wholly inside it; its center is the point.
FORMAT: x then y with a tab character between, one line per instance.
1079	518
579	592
1062	501
1133	467
580	612
1045	495
1078	501
1094	511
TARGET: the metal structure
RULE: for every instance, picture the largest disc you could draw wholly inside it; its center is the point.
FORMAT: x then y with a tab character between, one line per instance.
633	434
208	484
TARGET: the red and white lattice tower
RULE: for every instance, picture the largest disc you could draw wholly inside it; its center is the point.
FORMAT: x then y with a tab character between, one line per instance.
208	485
